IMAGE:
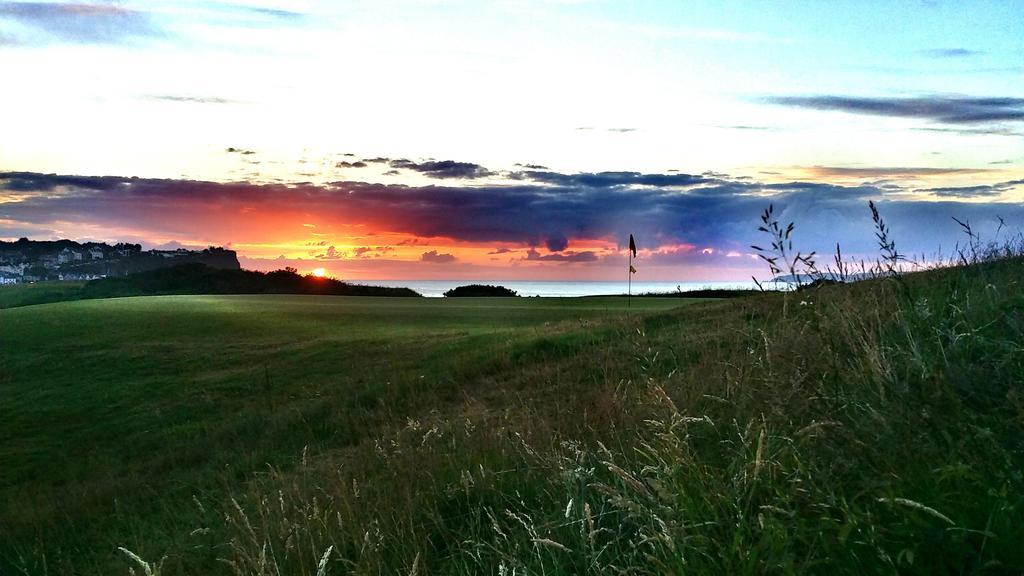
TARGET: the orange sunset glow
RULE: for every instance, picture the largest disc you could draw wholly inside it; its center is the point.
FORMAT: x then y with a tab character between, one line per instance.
679	133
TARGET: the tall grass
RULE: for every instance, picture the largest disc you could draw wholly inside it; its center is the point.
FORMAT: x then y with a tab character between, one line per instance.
858	434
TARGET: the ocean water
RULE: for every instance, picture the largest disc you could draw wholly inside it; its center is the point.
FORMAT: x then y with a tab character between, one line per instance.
436	288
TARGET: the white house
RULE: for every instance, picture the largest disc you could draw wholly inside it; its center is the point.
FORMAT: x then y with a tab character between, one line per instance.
68	255
13	270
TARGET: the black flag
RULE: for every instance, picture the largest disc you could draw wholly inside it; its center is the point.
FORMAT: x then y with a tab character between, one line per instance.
632	270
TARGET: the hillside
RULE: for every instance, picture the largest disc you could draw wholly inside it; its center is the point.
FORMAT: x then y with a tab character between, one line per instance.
41	260
193	278
200	279
868	428
14	295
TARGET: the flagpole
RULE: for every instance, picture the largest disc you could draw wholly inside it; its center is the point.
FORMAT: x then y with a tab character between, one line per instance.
629	281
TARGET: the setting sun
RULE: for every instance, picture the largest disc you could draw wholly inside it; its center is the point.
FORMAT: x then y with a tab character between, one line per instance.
319	272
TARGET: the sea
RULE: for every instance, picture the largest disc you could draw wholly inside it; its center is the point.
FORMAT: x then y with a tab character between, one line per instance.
437	288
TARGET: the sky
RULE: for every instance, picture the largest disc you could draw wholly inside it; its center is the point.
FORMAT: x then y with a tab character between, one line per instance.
513	139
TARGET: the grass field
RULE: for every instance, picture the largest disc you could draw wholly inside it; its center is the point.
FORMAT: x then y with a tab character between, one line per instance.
37	293
160	395
869	428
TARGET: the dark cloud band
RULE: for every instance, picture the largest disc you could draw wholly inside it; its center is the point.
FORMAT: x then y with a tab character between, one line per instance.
552	213
442	168
941	109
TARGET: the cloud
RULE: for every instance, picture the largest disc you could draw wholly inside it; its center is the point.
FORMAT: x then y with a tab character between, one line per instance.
534	256
229	14
347	164
963	191
443	168
436	258
977	191
242	151
718	212
616	130
993	130
275	13
557	243
951	53
32	181
79	22
190	99
359	252
743	127
371	251
962	110
610	179
413	242
501	250
887	171
174	245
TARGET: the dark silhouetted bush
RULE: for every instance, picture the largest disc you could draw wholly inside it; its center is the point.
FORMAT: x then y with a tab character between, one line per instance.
480	290
201	279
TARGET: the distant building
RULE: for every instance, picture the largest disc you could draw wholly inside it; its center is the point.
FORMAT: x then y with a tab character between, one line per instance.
180	252
30	261
12	273
68	255
13	270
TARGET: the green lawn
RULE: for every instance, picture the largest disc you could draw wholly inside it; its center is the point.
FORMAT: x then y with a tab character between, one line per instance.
873	428
117	400
37	293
